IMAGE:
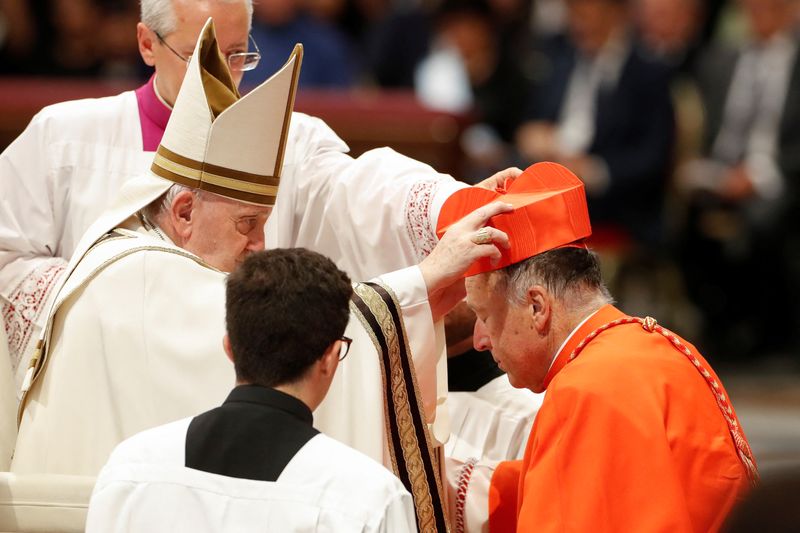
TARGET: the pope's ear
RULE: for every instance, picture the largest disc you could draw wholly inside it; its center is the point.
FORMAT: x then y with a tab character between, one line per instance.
181	213
146	39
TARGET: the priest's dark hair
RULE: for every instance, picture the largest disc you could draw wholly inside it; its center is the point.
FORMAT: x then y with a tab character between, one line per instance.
283	309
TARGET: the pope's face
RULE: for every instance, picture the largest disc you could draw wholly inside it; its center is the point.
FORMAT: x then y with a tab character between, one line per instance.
225	232
232	26
507	329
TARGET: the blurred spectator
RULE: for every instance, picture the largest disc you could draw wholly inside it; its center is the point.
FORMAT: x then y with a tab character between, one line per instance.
398	44
120	49
670	30
467	30
357	19
464	58
603	109
18	34
75	48
549	17
743	192
328	61
69	38
512	18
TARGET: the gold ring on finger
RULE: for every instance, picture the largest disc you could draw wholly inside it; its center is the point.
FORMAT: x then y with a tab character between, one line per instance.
482	236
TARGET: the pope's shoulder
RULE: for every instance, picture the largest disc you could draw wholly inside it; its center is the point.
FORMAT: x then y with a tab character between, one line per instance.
150	260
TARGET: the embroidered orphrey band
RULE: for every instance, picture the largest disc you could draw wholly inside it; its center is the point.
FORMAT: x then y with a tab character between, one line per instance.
413	457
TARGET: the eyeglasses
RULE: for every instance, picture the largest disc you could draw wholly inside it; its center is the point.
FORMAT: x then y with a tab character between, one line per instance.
245	225
240	61
344	348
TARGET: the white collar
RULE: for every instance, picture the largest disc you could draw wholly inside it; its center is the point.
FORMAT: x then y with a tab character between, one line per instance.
571	333
141	224
158	95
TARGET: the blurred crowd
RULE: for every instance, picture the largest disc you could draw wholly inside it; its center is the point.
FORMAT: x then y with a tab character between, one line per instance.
682	117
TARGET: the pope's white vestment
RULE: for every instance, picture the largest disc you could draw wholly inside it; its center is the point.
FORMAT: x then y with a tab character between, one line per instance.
326	486
140	344
372	214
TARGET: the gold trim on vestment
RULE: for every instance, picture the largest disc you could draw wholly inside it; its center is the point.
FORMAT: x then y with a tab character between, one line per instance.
410	446
436	458
361	318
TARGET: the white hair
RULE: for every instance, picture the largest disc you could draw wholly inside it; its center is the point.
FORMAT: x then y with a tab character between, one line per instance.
159	15
570	274
155	209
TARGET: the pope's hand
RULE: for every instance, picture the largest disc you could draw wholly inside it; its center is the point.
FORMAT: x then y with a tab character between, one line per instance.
465	242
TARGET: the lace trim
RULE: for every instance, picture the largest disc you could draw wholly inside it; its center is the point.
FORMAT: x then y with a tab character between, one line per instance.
418	218
464	476
25	305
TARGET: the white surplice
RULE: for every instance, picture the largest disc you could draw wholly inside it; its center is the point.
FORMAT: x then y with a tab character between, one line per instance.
140	344
327	486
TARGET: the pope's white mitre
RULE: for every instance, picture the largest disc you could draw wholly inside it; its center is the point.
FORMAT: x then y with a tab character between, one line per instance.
219	142
213	131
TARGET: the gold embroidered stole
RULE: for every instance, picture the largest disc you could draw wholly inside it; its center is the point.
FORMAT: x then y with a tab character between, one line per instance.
413	457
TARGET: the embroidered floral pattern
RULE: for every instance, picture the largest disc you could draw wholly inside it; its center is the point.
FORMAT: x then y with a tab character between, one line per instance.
25	305
418	217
